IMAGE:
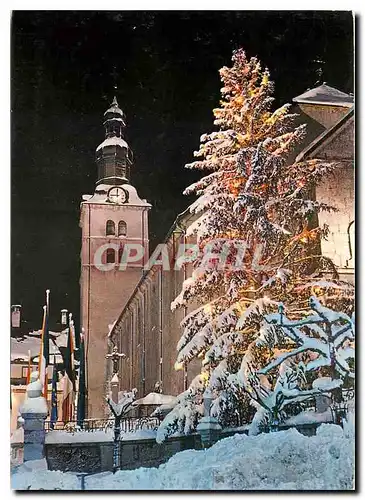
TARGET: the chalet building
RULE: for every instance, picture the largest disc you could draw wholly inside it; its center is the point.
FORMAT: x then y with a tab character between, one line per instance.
144	327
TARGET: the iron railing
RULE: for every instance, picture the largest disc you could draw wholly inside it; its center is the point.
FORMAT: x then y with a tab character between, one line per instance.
133	424
128	424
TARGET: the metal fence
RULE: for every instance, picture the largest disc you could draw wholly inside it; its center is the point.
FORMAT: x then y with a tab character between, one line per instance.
133	424
128	424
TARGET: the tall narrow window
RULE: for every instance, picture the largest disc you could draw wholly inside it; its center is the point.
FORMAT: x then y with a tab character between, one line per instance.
110	228
122	228
110	256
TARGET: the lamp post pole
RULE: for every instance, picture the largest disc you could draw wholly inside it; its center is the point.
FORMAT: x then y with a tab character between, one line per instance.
115	357
119	410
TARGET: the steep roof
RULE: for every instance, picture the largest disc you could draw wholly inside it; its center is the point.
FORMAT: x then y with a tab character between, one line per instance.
114	108
324	94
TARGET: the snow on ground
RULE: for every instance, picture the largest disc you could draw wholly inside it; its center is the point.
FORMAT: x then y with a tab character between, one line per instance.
284	460
34	475
276	461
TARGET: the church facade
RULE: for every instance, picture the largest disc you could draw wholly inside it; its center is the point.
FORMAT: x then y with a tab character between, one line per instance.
143	326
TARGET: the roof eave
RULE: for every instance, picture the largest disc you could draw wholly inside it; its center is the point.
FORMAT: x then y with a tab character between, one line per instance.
321	103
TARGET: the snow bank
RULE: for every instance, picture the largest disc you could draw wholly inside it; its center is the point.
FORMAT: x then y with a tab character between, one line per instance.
284	460
34	475
46	480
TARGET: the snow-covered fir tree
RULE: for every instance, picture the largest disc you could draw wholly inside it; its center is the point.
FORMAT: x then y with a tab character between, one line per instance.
309	356
257	234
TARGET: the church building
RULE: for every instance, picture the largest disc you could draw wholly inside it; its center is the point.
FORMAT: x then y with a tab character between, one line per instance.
113	216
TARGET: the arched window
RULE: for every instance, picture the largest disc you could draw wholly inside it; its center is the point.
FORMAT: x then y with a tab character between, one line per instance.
122	228
110	228
110	256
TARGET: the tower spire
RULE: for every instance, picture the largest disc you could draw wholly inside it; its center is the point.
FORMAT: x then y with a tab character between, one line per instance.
113	154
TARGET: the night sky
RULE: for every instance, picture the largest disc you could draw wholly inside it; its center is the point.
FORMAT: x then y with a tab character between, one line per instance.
165	66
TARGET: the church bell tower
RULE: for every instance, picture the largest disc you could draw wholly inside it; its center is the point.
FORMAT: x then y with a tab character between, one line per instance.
114	226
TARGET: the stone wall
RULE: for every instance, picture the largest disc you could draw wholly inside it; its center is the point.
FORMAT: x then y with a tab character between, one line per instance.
338	190
98	457
341	195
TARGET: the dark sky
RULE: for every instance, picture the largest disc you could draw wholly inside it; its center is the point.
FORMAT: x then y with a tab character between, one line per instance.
166	66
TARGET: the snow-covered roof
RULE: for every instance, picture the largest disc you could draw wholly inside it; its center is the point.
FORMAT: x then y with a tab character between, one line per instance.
19	349
101	196
114	108
113	141
154	398
324	94
115	120
57	358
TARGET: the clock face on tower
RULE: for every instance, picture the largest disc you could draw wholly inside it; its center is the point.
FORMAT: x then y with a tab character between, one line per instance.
117	194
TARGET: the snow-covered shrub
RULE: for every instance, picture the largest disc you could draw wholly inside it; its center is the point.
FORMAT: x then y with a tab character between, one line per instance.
301	352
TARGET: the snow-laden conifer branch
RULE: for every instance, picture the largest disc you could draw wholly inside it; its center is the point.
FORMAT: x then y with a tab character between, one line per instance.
327	338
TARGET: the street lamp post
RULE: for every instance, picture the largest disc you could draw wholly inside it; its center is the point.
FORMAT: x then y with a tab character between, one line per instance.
64	316
16	316
117	410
